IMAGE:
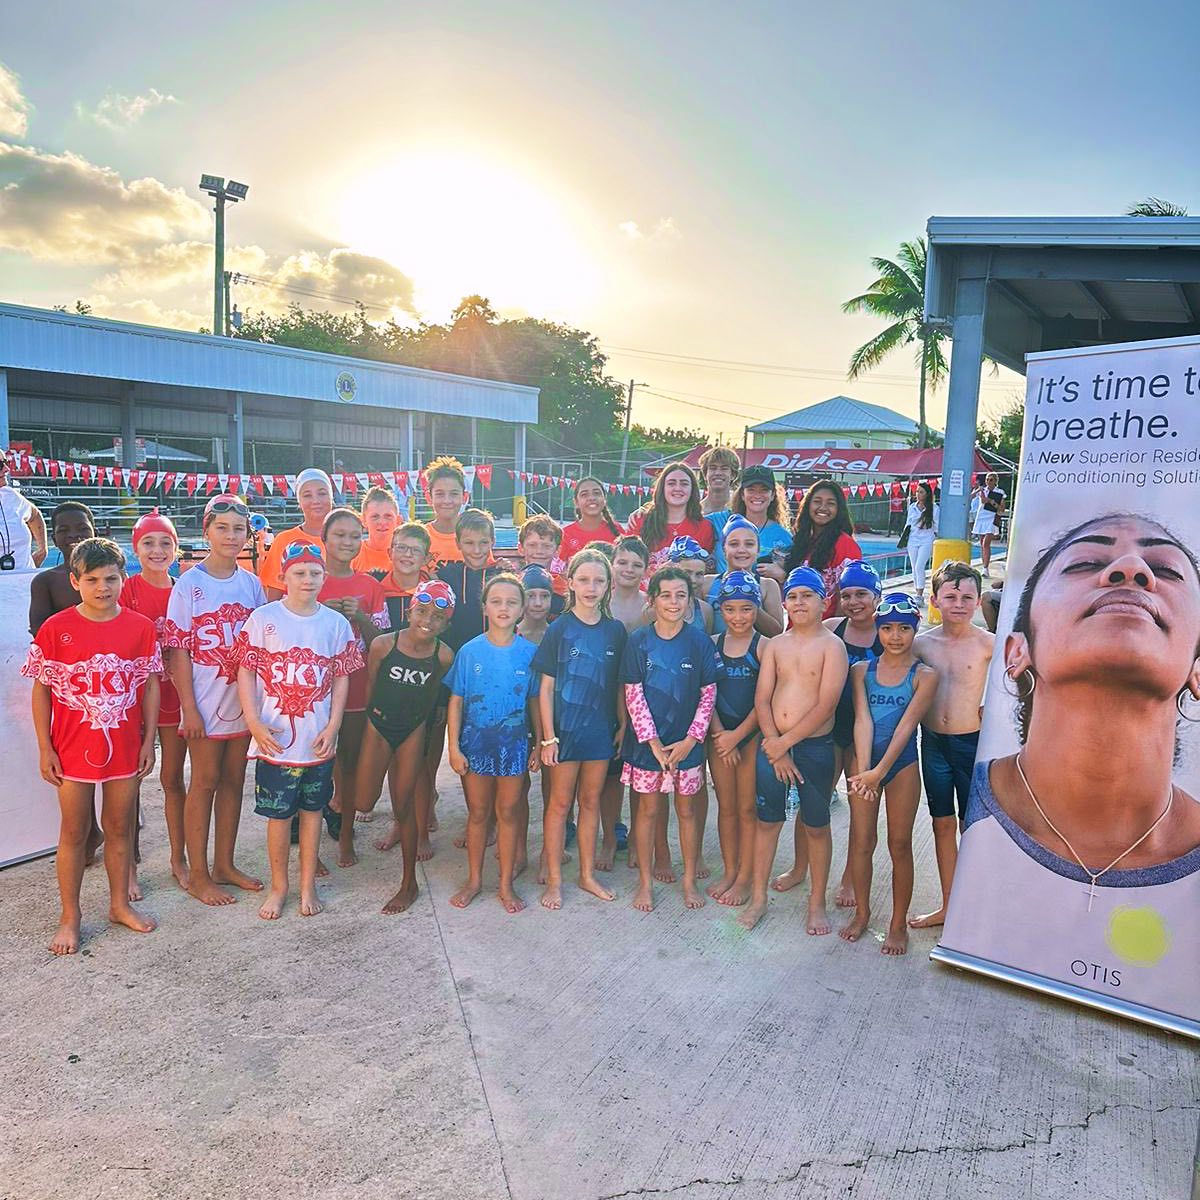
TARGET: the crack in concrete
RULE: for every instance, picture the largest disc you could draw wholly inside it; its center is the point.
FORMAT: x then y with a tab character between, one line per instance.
792	1176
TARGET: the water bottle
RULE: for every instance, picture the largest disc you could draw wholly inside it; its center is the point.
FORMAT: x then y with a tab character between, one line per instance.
792	803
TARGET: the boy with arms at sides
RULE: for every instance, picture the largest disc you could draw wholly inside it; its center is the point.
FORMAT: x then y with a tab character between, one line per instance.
380	517
51	591
295	658
95	668
630	560
205	614
960	652
801	680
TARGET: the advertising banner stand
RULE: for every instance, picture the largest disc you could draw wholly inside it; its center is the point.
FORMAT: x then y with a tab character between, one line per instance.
1079	869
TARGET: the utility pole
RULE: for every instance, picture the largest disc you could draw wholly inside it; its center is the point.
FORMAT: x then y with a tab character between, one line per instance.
628	420
227	325
221	191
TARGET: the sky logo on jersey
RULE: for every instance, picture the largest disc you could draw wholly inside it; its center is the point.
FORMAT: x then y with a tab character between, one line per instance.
213	636
409	676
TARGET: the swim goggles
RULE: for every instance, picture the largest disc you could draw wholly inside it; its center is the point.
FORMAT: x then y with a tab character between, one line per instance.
225	504
739	585
436	592
302	552
683	548
897	608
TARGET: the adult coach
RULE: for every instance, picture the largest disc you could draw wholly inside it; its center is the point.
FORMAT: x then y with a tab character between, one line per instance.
22	529
992	502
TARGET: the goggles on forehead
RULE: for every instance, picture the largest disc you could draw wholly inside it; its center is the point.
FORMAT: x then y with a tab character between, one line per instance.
739	585
213	507
439	597
302	552
684	548
897	607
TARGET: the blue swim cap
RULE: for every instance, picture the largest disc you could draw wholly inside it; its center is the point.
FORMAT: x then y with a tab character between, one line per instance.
857	574
805	577
737	521
535	576
738	585
897	608
683	548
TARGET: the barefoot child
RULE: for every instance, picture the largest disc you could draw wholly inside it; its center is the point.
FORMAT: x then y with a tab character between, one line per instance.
960	653
670	674
733	734
295	658
803	672
205	614
405	670
95	668
579	660
156	545
891	695
359	599
51	590
492	709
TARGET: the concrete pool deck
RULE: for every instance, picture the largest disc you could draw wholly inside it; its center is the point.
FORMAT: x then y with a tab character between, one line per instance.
591	1053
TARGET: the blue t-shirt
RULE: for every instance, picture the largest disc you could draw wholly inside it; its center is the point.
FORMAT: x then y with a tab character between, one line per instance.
584	660
717	521
495	683
772	536
672	672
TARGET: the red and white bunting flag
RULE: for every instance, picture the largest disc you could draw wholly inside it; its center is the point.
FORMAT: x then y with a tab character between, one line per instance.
289	484
339	481
484	475
256	485
511	473
374	479
233	485
469	476
364	480
149	479
279	484
210	484
192	482
168	481
846	492
55	469
350	484
135	479
70	470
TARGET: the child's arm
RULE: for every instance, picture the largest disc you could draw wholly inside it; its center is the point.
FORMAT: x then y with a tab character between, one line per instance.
864	726
643	723
771	619
325	742
533	707
545	705
262	734
151	698
191	723
622	721
375	655
763	691
454	714
918	706
679	750
49	764
41	606
834	668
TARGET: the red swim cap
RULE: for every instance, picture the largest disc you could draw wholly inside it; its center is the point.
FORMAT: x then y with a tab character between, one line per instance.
153	522
436	592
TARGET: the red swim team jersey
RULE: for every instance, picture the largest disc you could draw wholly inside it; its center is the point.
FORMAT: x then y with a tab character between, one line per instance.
575	537
151	602
204	616
701	530
96	672
371	600
295	660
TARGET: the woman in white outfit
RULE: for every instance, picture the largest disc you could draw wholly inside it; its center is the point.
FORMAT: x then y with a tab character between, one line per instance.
922	530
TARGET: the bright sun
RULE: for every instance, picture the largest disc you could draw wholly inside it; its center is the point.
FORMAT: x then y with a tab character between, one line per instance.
460	223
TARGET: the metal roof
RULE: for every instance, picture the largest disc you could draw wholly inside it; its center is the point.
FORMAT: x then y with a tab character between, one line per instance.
66	344
839	413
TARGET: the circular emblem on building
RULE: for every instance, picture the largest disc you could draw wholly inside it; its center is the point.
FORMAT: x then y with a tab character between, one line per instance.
346	386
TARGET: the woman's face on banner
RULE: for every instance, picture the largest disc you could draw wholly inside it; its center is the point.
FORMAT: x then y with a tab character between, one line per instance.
1120	601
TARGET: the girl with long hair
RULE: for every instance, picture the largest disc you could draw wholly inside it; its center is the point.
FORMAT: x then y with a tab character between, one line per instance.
822	538
923	516
673	511
593	521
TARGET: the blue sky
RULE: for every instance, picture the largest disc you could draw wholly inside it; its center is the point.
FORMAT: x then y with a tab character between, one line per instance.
689	178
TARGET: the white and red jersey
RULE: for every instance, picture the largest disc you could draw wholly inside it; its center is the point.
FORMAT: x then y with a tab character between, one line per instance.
204	617
151	602
96	672
295	660
373	601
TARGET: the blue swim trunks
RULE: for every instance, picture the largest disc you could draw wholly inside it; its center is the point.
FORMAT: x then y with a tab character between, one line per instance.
280	791
814	760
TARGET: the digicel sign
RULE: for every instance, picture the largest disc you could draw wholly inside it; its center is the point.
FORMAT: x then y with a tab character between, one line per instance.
830	460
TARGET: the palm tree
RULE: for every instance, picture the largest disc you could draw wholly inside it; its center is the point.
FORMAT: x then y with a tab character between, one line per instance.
898	296
1152	206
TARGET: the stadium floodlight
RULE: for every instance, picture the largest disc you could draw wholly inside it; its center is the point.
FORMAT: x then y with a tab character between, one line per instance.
221	191
212	184
236	191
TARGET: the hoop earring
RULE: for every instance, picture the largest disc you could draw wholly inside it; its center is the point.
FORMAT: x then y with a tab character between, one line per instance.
1016	690
1180	700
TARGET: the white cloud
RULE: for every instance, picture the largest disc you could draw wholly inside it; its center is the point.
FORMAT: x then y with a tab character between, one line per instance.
118	112
14	108
348	274
63	208
631	230
142	311
663	230
178	264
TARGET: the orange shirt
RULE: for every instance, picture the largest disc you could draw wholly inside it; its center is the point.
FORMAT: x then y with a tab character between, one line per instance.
368	559
442	546
270	574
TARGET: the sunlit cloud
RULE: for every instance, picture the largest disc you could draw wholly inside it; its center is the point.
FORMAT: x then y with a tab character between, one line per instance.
663	230
14	108
118	112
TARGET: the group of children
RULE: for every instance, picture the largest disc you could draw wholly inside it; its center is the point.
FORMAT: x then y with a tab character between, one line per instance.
367	647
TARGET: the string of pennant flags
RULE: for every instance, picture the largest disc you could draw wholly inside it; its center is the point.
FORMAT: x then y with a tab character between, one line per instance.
349	483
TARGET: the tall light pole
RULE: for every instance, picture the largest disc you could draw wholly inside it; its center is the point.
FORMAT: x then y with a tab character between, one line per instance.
628	419
221	191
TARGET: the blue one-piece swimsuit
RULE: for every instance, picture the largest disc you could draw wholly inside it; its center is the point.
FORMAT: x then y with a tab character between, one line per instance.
888	705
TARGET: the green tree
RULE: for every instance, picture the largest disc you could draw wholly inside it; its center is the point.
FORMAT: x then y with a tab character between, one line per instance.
1152	206
1003	435
898	296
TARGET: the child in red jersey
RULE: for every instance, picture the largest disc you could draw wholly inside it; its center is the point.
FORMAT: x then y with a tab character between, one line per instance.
295	658
156	545
95	669
205	614
359	599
